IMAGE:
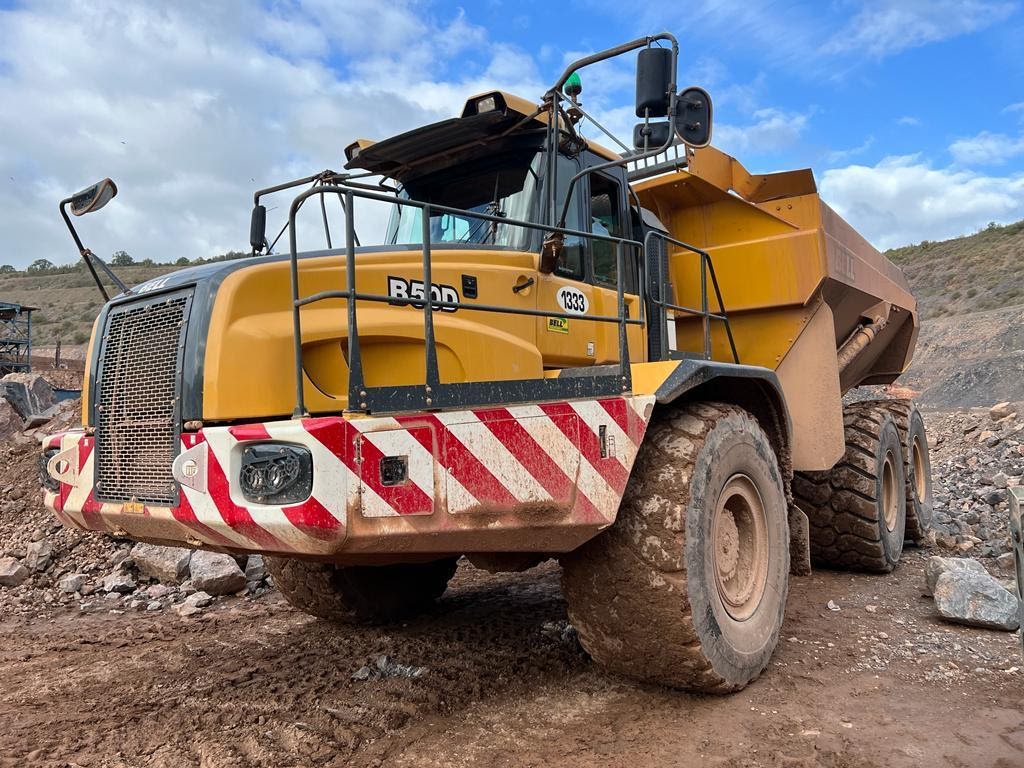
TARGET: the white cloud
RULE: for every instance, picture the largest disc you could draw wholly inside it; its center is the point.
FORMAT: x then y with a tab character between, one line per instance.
773	130
192	107
908	120
840	155
904	200
886	27
986	149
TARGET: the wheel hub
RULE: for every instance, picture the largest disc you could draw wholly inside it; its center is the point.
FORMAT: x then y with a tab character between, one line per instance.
890	497
917	456
740	547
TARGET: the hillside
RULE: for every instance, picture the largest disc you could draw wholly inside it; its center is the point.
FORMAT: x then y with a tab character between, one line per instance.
967	274
971	348
68	302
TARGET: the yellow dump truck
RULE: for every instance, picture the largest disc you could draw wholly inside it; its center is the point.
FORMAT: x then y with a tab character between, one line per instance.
631	361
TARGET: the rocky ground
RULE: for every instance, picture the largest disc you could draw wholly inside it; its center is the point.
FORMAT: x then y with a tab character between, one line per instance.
112	654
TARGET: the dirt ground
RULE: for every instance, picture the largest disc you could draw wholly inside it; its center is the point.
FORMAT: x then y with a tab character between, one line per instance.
504	683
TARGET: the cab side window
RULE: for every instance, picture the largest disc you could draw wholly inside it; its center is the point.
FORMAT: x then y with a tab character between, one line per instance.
570	262
605	219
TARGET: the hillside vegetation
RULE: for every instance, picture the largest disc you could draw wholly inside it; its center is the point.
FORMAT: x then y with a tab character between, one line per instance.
967	274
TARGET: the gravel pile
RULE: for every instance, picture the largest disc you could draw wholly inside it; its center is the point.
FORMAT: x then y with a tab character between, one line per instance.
976	456
44	564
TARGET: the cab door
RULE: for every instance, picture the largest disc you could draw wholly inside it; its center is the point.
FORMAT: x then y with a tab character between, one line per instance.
584	280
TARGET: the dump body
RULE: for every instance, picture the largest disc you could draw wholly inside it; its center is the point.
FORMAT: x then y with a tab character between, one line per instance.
779	251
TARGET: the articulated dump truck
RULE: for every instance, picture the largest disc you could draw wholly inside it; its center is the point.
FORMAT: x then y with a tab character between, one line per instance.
632	362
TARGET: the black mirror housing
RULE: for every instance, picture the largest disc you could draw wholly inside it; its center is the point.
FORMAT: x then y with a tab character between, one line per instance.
258	227
656	135
654	78
92	198
693	117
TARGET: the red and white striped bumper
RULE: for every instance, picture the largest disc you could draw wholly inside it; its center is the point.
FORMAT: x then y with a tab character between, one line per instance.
524	478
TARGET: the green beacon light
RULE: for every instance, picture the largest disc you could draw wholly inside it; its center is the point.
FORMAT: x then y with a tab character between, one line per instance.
573	86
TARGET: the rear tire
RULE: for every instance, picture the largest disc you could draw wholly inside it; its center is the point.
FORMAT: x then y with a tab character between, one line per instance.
361	594
919	479
688	587
857	510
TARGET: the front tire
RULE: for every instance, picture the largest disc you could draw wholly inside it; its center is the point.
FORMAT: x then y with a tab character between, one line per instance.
361	594
688	587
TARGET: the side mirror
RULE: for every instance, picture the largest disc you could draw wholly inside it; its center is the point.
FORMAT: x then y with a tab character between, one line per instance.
654	77
693	117
93	198
650	135
258	227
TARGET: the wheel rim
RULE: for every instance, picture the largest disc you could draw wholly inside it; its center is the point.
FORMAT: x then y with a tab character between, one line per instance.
917	457
890	498
740	547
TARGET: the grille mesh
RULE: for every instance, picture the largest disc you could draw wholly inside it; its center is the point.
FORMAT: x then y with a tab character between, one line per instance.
136	418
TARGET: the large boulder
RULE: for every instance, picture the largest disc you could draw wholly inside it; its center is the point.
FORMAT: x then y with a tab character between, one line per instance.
12	572
29	393
166	564
937	566
10	421
975	599
215	573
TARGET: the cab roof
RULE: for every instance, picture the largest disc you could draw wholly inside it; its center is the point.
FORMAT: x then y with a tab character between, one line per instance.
508	115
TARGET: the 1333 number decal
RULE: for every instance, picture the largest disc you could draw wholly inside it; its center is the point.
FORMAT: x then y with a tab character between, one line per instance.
572	300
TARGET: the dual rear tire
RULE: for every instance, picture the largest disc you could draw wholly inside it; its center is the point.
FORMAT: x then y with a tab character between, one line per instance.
863	510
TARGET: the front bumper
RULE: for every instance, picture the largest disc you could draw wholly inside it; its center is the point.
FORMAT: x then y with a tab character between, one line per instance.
534	478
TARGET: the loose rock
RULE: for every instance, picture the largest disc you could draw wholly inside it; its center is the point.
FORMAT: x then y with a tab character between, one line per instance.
120	583
166	564
38	555
937	566
216	573
12	573
975	599
71	582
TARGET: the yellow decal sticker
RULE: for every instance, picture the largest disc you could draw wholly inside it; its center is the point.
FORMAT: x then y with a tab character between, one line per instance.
558	324
133	507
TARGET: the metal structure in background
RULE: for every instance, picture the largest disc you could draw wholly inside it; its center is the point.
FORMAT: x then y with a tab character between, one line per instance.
433	394
15	337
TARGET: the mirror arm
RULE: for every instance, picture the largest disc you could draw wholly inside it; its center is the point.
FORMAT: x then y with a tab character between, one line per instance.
88	256
622	160
609	53
554	93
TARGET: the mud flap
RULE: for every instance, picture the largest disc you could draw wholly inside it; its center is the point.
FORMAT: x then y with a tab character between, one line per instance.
799	542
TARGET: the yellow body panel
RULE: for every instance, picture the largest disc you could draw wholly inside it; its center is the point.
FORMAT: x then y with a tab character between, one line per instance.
249	358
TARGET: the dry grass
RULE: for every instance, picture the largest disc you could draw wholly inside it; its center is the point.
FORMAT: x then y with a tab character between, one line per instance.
966	274
68	302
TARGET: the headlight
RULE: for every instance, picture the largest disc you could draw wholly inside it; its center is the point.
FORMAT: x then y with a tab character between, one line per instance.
276	473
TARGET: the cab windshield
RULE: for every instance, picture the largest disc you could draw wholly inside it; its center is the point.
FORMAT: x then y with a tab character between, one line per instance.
504	185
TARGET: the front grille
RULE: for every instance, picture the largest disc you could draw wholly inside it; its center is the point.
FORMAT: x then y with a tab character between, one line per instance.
136	400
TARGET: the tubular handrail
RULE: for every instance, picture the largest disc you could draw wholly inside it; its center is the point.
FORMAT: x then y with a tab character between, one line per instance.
707	268
359	395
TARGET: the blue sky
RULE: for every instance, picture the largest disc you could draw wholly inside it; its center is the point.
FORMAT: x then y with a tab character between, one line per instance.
910	112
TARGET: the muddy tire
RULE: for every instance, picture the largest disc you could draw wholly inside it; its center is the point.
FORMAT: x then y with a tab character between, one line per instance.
857	510
688	587
361	594
918	472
